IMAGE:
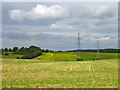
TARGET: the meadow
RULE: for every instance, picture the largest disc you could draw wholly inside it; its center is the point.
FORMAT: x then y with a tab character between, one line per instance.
75	56
34	73
11	56
67	56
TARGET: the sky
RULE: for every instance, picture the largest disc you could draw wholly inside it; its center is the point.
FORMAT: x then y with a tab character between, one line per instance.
55	25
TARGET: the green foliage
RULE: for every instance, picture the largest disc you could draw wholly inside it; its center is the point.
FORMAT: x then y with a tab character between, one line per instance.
47	50
31	52
10	50
27	53
15	49
6	50
6	53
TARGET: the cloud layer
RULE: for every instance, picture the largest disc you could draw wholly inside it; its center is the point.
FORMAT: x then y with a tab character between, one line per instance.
56	24
60	26
39	12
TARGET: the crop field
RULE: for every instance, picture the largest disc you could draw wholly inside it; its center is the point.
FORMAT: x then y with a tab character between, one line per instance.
91	56
75	56
25	73
58	56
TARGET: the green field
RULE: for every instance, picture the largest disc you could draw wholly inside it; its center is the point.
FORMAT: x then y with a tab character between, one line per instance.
58	56
75	56
19	73
91	56
45	72
68	56
11	56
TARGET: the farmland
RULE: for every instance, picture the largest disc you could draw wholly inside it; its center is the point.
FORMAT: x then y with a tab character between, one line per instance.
36	73
74	56
11	56
67	56
58	56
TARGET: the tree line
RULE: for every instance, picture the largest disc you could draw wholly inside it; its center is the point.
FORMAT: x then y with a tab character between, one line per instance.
34	51
28	53
108	50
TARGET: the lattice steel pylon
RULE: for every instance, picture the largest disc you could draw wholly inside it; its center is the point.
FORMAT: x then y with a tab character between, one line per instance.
79	45
98	52
78	41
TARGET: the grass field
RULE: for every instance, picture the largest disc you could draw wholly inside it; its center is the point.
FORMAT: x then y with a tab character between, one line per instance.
91	56
19	73
68	56
11	56
75	56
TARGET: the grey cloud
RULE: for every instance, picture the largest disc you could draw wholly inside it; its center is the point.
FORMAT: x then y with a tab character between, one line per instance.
91	21
94	11
15	35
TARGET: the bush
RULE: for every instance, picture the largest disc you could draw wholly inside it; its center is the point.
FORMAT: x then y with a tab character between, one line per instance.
17	58
98	59
6	53
79	59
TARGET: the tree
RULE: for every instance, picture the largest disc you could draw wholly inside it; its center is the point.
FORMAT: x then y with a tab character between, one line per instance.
10	50
6	50
47	50
21	49
15	49
43	50
31	52
2	51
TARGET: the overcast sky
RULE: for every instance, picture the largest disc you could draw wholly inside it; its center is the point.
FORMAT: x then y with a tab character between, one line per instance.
55	25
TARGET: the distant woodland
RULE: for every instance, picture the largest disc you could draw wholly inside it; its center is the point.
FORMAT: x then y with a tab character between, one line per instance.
34	51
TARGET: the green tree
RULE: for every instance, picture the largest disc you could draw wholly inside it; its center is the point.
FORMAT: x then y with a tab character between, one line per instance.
21	49
31	52
10	50
2	51
6	50
47	50
15	49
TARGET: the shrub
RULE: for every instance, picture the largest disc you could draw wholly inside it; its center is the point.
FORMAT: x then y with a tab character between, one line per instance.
98	59
79	59
17	58
6	53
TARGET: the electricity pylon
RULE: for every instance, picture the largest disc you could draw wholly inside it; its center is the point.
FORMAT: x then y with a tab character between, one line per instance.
98	52
78	44
78	41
